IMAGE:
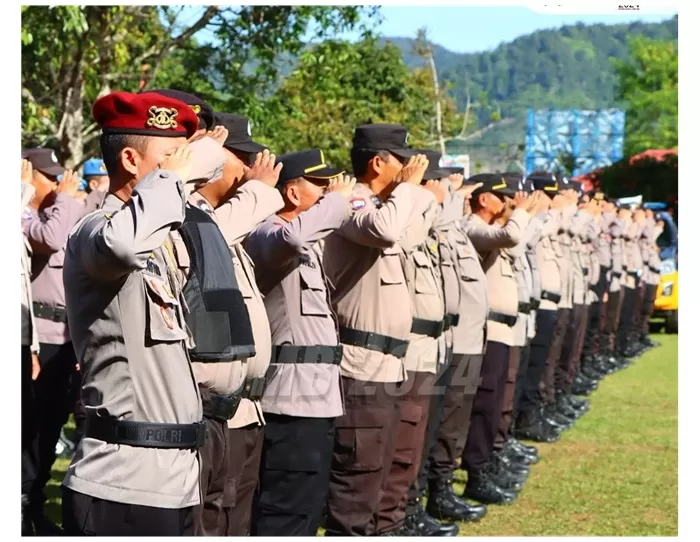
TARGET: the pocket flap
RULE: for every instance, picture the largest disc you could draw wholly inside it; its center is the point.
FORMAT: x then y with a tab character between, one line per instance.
421	259
366	418
160	290
57	258
393	249
506	268
411	413
311	278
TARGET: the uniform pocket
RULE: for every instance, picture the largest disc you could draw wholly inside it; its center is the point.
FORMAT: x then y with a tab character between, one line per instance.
313	292
506	267
390	270
468	264
243	283
360	439
411	415
162	323
425	281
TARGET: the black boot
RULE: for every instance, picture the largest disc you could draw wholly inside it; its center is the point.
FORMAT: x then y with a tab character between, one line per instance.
419	523
443	504
564	407
506	463
554	418
529	450
530	427
482	488
519	455
581	405
27	527
505	479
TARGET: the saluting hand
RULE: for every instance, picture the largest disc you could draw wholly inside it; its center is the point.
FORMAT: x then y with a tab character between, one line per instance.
437	189
69	184
344	184
521	200
263	169
180	162
218	134
413	171
27	172
456	180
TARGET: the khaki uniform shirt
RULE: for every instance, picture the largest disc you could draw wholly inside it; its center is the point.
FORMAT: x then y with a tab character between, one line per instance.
580	260
615	229
125	310
29	334
491	242
47	232
632	252
289	270
533	235
362	259
548	260
565	258
253	202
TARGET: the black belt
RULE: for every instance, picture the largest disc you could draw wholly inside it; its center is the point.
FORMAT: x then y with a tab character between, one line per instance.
253	388
604	269
549	296
525	308
506	319
655	270
624	268
431	328
287	353
48	312
146	435
617	274
585	271
451	320
534	304
220	407
373	341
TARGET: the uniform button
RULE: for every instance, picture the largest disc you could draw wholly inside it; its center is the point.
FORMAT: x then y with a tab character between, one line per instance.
163	175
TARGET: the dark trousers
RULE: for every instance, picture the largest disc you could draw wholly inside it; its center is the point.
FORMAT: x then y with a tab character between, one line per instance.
365	439
414	404
548	385
566	366
520	381
486	413
648	307
294	476
546	322
627	315
28	422
596	316
514	356
52	402
448	423
608	339
245	450
84	515
217	487
581	332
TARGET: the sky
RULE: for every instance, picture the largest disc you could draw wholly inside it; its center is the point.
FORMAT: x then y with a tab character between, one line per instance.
470	29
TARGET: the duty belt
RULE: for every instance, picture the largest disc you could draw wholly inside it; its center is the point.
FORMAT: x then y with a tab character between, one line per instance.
287	353
655	270
624	268
146	435
617	274
506	319
585	271
451	320
220	407
431	328
549	296
253	388
524	308
48	312
534	304
373	341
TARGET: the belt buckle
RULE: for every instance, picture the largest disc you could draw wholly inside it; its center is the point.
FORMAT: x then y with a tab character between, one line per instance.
201	433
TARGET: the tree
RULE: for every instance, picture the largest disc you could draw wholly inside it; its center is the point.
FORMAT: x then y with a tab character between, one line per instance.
337	86
127	47
648	84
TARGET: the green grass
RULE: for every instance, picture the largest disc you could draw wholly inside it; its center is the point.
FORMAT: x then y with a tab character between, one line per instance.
614	474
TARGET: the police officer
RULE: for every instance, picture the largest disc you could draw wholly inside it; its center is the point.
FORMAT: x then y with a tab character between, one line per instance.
96	183
46	222
651	276
30	362
489	239
244	197
303	395
362	259
632	267
530	424
455	388
125	310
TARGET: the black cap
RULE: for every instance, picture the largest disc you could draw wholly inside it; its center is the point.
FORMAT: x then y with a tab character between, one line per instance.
516	181
202	109
239	133
452	170
544	181
309	164
566	184
377	137
434	170
492	182
44	160
598	195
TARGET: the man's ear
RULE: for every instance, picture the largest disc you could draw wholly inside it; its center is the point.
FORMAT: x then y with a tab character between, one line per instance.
292	193
128	158
376	164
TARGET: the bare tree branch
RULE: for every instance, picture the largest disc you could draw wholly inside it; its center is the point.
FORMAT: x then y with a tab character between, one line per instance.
467	108
477	134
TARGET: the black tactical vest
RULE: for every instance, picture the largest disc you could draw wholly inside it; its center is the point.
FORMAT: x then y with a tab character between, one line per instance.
217	316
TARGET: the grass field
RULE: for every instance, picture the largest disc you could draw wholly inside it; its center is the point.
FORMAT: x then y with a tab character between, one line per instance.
614	474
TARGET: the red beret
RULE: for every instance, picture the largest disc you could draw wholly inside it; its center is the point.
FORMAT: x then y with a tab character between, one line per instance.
149	114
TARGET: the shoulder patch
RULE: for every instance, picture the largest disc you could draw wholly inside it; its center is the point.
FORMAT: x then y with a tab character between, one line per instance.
357	203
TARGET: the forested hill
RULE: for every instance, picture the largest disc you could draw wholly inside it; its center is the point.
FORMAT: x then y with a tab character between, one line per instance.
565	67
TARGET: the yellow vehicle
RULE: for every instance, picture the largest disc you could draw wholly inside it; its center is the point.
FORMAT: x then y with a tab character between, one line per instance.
666	304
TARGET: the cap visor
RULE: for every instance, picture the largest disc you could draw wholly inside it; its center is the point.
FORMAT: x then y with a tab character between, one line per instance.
52	171
505	192
325	174
403	153
245	146
436	174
